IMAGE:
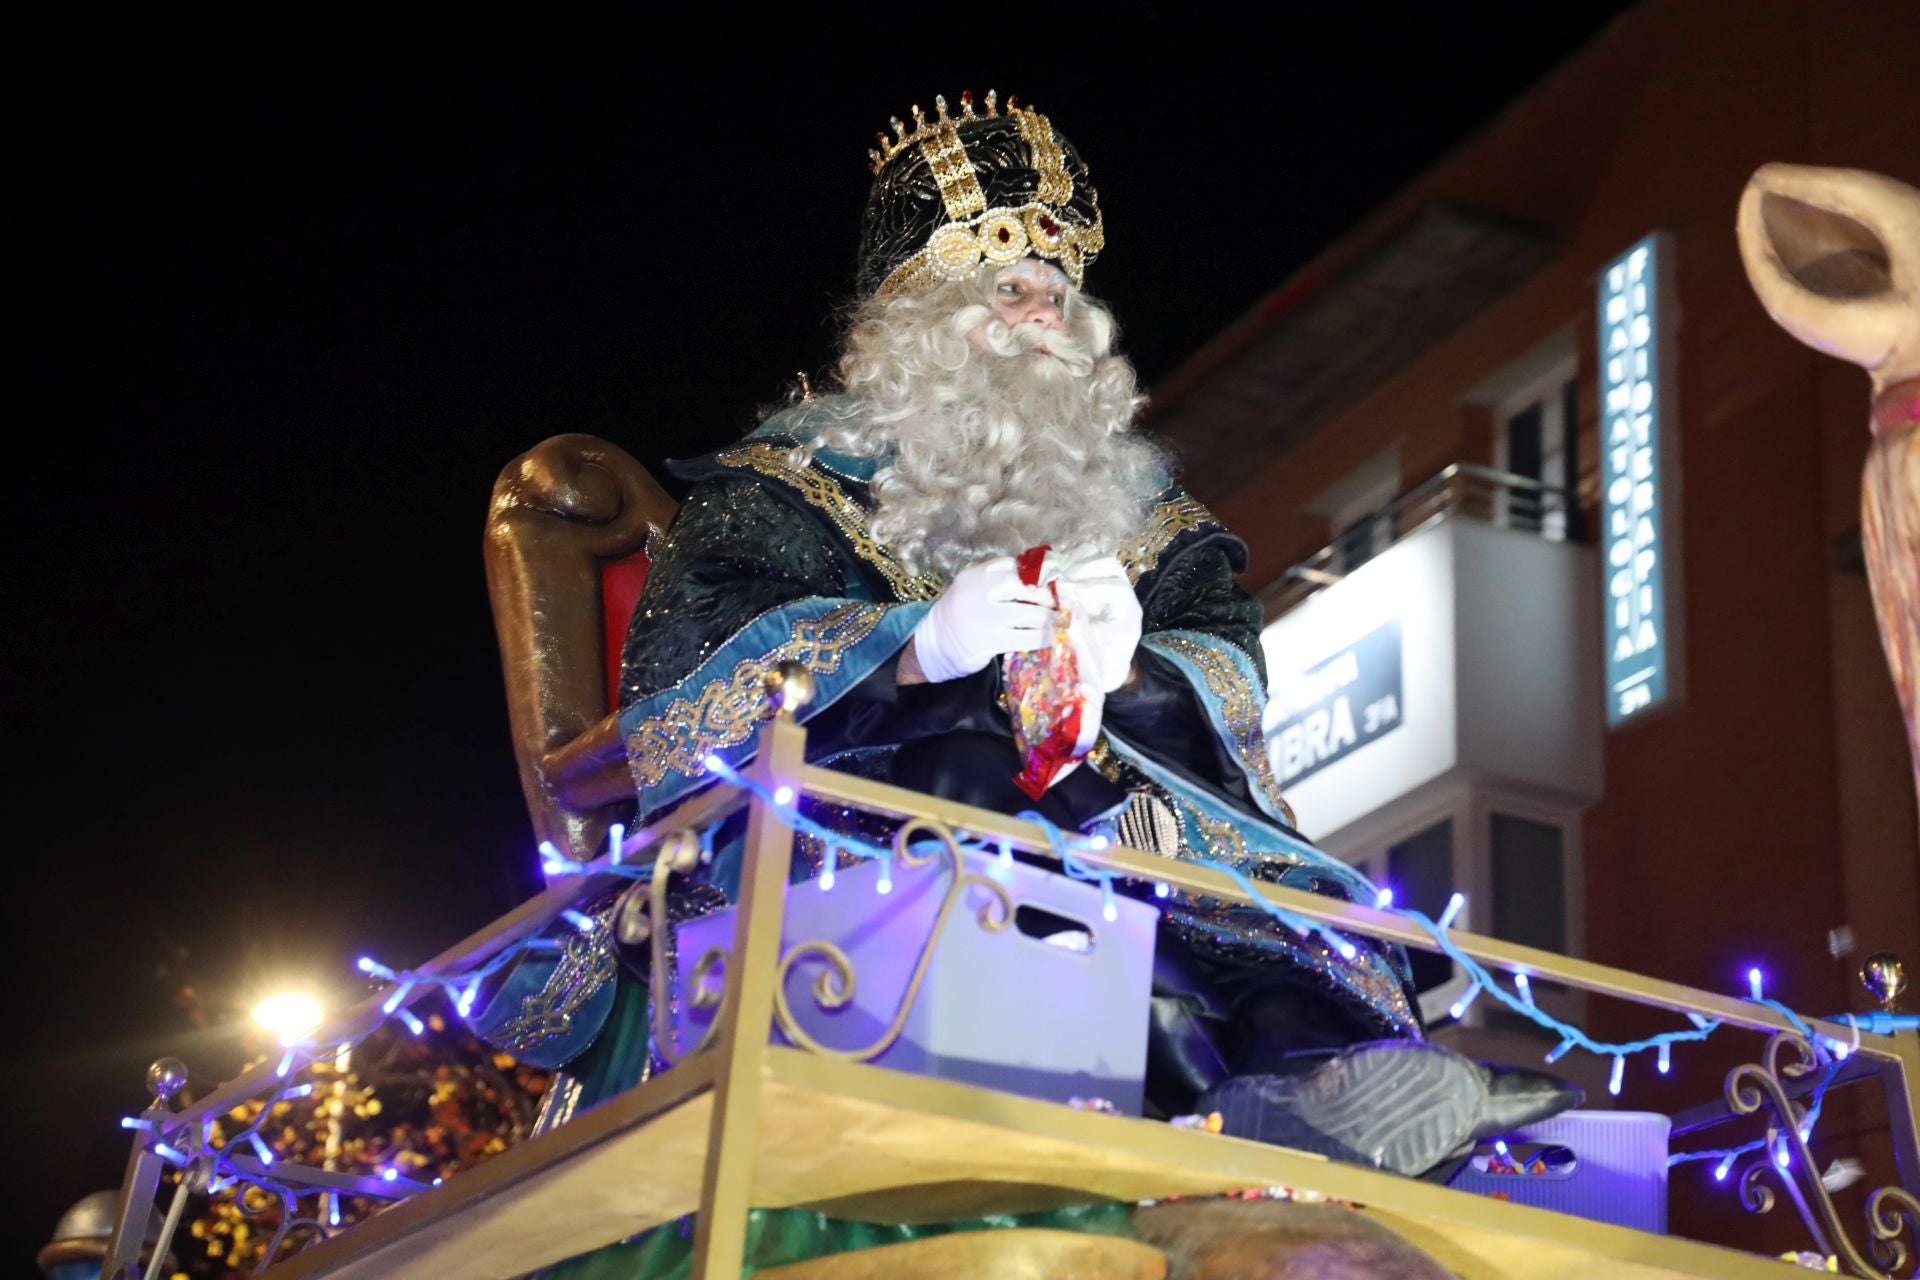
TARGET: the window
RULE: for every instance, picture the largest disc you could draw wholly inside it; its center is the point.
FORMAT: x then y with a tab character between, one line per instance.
1516	860
1420	869
1529	882
1536	432
1356	511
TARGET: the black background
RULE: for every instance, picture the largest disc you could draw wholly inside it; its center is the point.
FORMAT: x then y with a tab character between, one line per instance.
297	289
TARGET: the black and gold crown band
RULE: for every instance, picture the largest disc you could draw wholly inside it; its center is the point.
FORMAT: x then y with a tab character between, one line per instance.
956	192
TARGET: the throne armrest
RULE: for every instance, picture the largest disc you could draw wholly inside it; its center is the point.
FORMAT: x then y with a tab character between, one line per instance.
560	512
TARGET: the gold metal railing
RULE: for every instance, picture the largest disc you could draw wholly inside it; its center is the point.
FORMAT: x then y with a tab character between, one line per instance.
733	1060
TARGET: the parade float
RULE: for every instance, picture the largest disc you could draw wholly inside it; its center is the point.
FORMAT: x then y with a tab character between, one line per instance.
835	1049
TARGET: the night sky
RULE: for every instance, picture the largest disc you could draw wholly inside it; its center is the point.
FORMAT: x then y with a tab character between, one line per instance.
294	299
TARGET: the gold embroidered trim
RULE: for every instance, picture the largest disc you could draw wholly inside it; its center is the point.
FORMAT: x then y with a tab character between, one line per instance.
946	158
847	515
957	249
1049	161
1169	520
1240	707
725	711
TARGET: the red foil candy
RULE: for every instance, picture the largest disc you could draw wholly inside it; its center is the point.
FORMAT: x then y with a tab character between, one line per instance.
1044	695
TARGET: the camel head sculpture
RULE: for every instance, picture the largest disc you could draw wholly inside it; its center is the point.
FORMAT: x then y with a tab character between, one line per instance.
1835	256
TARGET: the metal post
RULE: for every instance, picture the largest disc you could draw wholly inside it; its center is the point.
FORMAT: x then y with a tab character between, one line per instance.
141	1183
746	1014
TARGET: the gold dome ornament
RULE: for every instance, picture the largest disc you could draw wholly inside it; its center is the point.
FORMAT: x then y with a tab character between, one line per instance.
790	688
1885	978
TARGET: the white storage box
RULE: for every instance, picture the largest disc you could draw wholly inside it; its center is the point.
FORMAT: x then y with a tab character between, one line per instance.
1002	1009
1610	1166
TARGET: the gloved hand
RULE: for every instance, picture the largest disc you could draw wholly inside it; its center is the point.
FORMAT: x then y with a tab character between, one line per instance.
1104	600
984	612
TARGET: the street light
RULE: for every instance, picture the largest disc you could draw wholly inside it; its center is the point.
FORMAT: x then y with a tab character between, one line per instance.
290	1016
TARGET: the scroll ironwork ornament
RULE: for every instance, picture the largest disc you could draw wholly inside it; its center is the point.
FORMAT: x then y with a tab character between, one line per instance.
1891	1211
307	1232
833	987
681	853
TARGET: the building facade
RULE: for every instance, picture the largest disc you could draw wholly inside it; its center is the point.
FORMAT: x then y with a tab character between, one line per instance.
1559	537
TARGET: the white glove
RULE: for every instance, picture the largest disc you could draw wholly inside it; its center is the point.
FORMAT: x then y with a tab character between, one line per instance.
1104	601
984	612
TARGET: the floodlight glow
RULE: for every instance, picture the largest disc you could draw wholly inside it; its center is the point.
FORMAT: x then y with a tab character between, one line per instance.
290	1016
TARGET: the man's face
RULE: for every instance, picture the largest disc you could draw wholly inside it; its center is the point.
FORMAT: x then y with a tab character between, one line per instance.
1030	291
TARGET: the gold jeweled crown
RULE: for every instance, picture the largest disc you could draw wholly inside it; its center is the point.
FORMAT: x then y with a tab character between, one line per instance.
956	192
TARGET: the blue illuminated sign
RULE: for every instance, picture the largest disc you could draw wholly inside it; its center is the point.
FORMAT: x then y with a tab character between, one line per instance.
1630	483
1338	706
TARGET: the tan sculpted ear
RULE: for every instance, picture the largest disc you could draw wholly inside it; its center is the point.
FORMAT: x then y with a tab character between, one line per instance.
1835	256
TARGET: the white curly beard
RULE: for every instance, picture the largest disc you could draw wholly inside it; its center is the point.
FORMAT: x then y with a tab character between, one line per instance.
991	452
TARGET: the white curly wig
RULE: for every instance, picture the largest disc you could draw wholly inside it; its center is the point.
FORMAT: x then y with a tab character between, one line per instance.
989	452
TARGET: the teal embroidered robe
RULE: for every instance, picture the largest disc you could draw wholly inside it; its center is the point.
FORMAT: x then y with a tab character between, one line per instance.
768	563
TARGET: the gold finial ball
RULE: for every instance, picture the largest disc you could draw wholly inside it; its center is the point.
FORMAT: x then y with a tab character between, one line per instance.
1884	976
166	1077
790	687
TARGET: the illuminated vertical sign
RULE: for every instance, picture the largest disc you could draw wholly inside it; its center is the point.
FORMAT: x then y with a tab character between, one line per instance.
1633	541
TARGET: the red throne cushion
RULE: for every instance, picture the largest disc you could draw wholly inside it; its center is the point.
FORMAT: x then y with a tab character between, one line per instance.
620	584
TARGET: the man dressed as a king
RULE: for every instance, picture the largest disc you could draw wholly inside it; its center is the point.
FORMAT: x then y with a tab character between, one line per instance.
977	465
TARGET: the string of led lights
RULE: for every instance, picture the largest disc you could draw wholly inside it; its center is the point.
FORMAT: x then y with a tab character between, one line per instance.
461	988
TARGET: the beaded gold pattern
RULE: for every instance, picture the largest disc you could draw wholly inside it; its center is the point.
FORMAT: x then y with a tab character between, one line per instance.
974	234
1056	188
947	159
1169	520
820	491
725	711
1240	709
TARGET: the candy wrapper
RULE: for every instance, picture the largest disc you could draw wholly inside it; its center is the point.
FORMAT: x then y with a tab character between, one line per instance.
1056	715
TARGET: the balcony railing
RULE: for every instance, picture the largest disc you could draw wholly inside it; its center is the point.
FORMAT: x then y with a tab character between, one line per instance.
1498	498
